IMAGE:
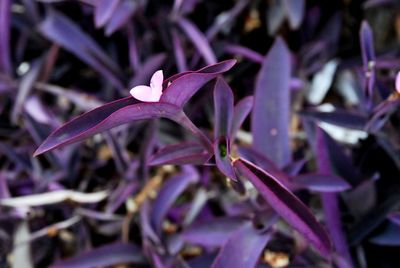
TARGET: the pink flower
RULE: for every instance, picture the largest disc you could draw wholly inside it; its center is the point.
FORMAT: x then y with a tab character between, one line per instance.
150	93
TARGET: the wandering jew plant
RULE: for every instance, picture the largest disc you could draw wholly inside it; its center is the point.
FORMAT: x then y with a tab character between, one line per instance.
169	104
199	134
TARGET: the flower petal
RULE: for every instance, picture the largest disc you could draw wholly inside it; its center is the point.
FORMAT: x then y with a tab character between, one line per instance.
144	93
157	80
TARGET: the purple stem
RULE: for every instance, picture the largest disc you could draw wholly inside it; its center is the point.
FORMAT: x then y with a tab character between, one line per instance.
330	206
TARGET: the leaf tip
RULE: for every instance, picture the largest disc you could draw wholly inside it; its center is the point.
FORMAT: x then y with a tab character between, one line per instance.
230	63
38	151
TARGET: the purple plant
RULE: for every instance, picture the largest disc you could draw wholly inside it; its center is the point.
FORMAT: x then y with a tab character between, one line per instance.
285	156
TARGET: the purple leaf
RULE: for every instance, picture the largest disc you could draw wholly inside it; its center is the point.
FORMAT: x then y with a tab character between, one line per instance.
244	52
222	157
223	108
83	123
271	112
5	29
108	116
134	57
104	9
320	183
146	228
368	56
170	191
389	237
64	32
119	156
367	45
125	110
275	16
35	108
243	248
374	218
264	163
179	53
4	191
196	205
184	85
394	218
287	205
120	195
382	113
121	15
341	118
295	167
240	112
180	154
213	232
294	12
25	87
108	255
330	200
224	19
201	261
198	40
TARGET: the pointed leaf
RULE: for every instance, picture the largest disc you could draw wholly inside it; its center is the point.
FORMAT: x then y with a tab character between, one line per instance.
368	56
275	16
179	53
198	40
295	12
394	217
241	111
170	191
287	205
25	87
224	20
244	52
223	108
330	202
184	85
108	116
121	16
243	248
389	237
295	167
271	112
67	34
382	113
374	218
104	9
212	232
253	156
367	45
341	118
320	183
